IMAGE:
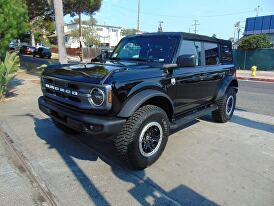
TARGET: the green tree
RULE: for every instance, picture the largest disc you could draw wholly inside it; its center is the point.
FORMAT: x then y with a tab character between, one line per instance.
89	35
77	7
41	8
42	27
39	11
13	22
255	42
126	32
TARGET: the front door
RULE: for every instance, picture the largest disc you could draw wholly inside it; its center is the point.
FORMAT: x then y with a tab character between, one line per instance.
197	86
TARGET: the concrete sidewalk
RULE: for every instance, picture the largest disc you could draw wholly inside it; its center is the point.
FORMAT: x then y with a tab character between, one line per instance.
265	76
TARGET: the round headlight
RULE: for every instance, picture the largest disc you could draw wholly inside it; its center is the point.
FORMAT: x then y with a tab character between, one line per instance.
97	97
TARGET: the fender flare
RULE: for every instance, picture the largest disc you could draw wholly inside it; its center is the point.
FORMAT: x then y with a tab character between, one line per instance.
140	98
224	84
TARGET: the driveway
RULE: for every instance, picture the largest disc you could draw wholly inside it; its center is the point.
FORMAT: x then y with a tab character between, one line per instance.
203	164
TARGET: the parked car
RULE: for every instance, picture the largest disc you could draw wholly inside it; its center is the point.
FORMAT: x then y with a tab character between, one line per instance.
152	84
28	50
42	52
103	57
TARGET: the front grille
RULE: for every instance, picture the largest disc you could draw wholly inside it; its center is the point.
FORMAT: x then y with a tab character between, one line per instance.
68	92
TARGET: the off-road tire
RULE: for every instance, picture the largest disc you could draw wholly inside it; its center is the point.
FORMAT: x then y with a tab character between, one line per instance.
65	129
127	142
220	115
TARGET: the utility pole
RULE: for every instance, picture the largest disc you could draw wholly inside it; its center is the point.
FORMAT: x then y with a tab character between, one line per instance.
59	24
160	27
196	23
238	29
138	17
257	9
80	37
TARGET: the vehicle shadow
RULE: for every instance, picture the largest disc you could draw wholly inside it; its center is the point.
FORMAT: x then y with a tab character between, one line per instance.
246	122
144	190
253	124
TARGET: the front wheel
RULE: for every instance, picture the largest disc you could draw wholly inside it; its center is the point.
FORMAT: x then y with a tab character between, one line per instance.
226	107
143	137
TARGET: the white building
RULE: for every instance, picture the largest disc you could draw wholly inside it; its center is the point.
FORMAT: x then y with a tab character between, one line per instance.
108	35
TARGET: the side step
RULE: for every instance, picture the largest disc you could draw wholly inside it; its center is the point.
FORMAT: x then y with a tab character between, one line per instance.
188	118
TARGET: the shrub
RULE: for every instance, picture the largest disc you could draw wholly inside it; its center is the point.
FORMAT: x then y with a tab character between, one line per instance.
8	69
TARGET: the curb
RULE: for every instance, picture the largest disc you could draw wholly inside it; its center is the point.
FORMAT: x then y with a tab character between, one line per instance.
255	79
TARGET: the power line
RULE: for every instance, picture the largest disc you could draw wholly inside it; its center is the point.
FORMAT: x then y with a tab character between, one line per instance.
129	10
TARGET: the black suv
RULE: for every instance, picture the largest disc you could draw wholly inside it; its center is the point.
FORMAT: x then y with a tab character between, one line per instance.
152	84
42	52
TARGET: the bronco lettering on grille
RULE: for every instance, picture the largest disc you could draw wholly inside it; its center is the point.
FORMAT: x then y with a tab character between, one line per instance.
67	91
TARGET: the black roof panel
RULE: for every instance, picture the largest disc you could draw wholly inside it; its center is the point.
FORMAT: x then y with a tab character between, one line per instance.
188	36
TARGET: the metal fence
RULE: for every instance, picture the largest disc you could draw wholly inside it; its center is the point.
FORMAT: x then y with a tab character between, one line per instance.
262	58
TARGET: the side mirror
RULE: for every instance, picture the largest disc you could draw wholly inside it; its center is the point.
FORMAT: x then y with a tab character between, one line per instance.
186	60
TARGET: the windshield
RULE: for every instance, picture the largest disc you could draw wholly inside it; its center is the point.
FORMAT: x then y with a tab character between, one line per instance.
146	48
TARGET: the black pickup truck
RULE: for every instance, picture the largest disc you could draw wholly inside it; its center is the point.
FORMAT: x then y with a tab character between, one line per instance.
152	84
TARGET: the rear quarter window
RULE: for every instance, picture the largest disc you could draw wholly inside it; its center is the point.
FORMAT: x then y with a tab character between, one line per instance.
226	54
211	53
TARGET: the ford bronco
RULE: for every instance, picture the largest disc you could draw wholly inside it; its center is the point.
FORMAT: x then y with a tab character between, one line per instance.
152	84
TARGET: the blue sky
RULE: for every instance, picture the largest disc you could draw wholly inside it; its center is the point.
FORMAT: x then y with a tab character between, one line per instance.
215	16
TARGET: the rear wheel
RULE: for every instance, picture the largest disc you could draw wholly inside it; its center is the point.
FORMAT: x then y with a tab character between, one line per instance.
65	129
143	137
226	107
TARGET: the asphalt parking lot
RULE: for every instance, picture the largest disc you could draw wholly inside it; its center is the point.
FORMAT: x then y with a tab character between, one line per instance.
203	164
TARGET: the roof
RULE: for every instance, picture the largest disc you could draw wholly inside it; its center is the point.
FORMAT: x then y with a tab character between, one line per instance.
98	25
259	25
187	36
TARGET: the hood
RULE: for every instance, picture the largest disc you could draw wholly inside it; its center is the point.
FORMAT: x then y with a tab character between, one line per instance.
90	73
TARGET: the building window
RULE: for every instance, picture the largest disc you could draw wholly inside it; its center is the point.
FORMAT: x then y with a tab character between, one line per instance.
99	29
115	30
190	48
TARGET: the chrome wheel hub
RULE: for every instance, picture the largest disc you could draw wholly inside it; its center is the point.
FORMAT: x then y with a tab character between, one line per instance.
150	139
229	105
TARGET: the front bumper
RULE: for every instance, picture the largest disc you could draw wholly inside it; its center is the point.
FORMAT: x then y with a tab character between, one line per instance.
100	126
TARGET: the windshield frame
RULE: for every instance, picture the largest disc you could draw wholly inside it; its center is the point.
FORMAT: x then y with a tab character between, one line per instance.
169	60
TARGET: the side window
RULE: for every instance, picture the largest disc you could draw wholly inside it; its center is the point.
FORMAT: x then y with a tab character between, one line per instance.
211	54
192	47
226	54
